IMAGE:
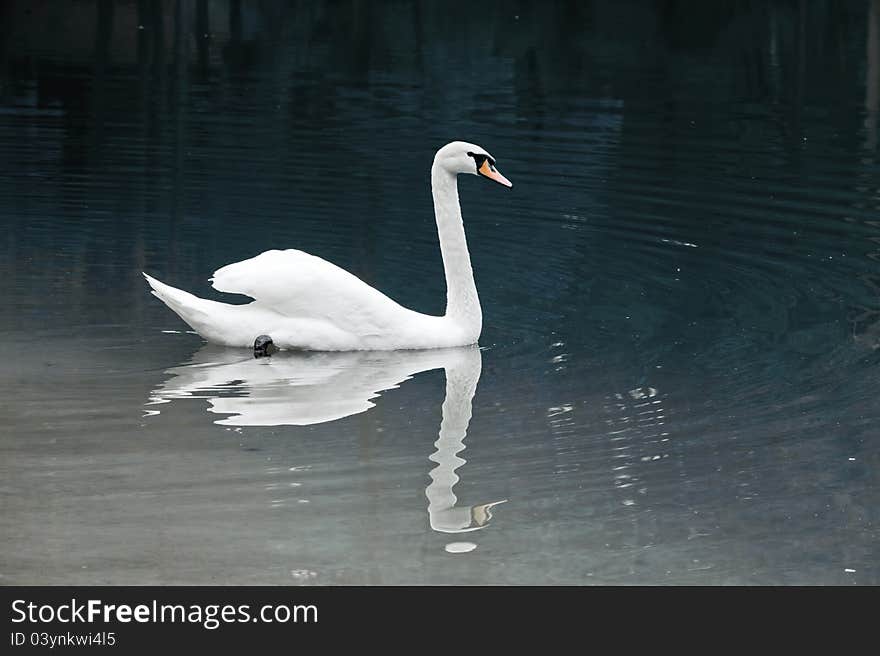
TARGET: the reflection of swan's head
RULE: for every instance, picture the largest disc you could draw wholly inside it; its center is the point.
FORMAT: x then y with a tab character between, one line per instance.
463	157
480	515
448	517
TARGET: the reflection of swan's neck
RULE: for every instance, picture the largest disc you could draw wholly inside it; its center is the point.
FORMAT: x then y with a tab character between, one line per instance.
461	384
462	303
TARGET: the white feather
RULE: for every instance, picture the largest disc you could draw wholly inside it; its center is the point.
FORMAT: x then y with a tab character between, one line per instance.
304	302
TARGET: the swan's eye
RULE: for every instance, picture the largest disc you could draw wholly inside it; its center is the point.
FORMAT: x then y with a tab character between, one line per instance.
479	159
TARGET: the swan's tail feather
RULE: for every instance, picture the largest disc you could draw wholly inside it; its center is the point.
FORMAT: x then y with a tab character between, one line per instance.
195	311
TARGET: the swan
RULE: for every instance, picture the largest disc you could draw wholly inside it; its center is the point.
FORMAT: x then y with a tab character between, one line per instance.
304	302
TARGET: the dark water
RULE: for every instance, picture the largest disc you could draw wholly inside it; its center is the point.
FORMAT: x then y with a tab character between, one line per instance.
677	381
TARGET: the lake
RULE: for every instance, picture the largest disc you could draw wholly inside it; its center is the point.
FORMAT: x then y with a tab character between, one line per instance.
676	378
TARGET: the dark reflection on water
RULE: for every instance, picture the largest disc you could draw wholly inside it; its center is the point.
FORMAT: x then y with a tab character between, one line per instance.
681	293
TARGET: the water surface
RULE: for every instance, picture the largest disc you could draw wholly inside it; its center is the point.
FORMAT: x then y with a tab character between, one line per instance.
676	381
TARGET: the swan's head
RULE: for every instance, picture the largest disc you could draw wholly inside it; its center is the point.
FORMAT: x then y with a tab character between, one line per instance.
463	157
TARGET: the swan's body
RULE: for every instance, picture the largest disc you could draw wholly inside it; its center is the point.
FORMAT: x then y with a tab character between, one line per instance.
304	302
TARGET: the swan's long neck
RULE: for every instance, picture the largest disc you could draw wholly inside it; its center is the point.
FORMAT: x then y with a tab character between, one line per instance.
462	302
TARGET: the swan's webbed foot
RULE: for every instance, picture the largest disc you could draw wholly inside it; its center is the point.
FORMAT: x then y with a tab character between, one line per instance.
264	346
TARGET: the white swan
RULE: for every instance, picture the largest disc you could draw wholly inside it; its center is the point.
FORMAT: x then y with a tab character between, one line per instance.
304	302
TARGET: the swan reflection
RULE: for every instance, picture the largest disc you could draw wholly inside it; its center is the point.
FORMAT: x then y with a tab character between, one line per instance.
305	388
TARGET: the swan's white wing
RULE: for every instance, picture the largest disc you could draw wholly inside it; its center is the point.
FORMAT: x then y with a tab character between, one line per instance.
299	285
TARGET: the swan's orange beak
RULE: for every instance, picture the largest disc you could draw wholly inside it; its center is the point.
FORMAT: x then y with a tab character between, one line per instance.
489	171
